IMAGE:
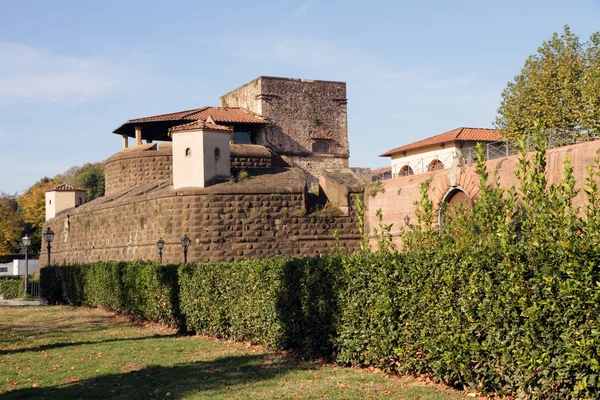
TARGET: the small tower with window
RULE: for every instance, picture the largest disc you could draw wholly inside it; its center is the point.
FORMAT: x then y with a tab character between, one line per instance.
63	197
200	154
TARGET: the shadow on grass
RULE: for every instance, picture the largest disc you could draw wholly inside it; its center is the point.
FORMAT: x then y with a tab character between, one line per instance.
53	346
222	375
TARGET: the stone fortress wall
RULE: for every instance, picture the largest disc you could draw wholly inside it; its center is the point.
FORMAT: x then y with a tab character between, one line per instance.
263	215
302	112
139	166
261	218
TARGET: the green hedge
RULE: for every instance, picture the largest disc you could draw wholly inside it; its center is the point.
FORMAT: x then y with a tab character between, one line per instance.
11	287
281	303
506	322
142	290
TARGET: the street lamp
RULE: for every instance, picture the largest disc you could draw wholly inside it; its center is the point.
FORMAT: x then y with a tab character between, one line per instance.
161	245
48	238
26	242
406	220
185	243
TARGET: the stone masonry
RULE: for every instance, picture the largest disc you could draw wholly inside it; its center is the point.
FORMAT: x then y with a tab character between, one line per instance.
264	217
301	113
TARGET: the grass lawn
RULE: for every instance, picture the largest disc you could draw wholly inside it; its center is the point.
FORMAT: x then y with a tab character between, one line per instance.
73	353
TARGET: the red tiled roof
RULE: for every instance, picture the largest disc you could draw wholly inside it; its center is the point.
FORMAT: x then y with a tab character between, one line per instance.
65	187
168	117
381	171
229	114
200	124
219	114
322	133
458	134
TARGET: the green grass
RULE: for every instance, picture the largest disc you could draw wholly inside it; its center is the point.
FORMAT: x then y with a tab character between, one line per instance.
73	353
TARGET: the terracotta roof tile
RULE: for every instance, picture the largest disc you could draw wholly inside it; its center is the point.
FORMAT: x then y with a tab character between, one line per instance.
200	124
168	117
322	133
458	134
381	171
219	114
229	114
65	187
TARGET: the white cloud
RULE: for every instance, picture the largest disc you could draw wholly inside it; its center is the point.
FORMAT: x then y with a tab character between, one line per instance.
27	73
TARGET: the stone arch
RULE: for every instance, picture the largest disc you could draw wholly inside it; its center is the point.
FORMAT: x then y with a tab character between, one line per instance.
406	170
435	164
454	195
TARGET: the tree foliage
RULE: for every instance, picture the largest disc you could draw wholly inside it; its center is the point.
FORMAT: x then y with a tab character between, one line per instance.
32	207
90	176
11	224
559	86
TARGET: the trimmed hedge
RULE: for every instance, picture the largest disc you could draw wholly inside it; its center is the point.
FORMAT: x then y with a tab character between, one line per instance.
11	287
280	303
506	322
142	290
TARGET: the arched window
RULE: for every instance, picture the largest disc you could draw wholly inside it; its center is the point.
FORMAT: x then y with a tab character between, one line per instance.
455	199
188	152
320	147
80	201
217	153
49	201
405	171
435	165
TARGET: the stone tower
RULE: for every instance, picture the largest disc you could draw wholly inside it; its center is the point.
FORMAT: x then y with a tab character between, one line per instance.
308	119
62	197
200	154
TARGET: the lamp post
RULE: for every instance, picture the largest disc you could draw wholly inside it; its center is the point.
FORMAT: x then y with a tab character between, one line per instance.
406	220
161	245
185	243
48	238
26	242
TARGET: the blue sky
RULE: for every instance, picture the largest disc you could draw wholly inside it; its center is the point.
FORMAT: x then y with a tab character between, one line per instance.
72	71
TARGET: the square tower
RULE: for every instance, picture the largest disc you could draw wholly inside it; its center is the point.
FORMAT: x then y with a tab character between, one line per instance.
200	154
308	119
62	197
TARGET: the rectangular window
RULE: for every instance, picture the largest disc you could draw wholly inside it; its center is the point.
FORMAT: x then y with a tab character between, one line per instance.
242	138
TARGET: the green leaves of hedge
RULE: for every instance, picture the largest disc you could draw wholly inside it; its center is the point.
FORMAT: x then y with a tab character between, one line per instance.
142	290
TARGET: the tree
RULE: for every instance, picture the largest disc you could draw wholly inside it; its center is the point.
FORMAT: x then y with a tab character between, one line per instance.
32	207
11	224
90	176
558	86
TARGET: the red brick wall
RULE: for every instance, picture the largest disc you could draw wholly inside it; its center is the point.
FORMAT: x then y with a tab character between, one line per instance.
398	195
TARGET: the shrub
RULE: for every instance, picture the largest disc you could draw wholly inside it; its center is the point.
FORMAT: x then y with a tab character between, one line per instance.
142	290
280	303
11	287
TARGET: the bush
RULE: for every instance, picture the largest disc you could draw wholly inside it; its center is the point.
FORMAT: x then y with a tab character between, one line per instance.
11	287
280	303
502	298
142	290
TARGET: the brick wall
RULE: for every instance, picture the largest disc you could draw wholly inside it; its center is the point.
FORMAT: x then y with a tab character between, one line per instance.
398	195
223	226
134	168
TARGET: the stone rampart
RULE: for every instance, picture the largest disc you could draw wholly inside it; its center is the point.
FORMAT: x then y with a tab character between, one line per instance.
263	217
131	168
